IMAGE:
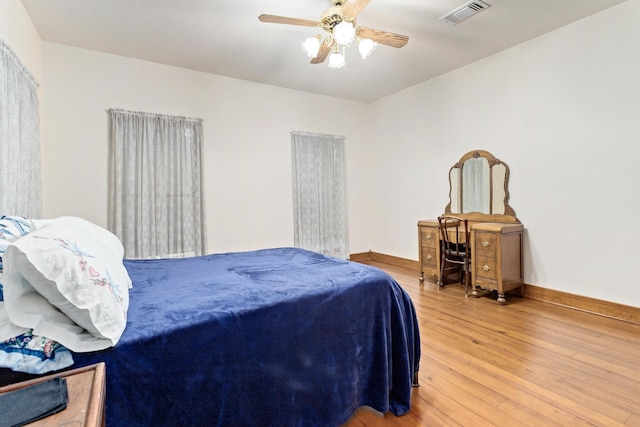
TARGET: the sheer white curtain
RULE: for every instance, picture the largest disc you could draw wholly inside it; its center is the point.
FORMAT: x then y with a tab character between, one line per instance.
156	203
319	193
20	179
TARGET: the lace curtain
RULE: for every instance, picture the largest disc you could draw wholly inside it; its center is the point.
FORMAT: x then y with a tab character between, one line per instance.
156	203
20	179
319	193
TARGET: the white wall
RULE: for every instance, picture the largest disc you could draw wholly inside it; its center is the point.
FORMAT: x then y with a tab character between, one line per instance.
18	32
562	111
247	139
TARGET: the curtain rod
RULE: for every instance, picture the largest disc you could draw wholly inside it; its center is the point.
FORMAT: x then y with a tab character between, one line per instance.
295	132
143	113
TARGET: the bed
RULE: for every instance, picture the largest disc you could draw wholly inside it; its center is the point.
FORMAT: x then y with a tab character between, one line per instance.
272	337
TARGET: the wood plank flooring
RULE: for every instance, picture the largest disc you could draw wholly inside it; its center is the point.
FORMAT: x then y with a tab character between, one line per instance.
526	363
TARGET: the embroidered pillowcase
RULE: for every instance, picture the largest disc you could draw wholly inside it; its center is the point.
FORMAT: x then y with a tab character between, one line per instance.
68	283
107	238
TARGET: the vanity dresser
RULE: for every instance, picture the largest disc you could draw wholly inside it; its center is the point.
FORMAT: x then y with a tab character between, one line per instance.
479	192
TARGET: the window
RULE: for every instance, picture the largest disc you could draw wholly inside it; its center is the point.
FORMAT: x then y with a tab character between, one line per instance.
319	195
156	203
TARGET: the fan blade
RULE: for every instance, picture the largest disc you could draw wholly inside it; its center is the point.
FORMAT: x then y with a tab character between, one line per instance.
352	8
383	37
290	21
325	49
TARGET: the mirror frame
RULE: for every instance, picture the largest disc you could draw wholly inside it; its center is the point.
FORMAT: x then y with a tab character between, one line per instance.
508	215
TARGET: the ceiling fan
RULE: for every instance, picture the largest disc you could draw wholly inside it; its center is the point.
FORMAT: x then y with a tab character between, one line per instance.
339	25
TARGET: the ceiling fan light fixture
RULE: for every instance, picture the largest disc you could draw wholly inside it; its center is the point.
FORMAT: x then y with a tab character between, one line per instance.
344	33
366	47
339	30
336	59
311	46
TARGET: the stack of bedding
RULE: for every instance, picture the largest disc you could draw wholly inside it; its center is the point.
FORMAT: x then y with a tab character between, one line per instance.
63	286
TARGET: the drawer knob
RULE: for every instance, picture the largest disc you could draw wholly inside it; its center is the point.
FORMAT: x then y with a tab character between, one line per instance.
485	243
429	257
486	267
428	237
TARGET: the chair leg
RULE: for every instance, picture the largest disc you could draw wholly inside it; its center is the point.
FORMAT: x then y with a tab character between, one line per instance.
467	283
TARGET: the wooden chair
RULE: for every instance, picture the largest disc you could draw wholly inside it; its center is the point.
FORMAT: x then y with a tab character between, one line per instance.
455	254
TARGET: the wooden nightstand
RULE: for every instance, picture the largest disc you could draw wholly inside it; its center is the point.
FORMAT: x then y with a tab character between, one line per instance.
86	387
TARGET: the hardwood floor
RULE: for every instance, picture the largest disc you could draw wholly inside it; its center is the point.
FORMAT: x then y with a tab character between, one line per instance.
527	363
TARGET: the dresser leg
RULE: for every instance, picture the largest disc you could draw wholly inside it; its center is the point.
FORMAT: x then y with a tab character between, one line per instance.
501	299
421	278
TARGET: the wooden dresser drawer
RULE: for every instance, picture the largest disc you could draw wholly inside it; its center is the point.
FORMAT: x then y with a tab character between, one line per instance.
486	244
428	236
429	257
486	268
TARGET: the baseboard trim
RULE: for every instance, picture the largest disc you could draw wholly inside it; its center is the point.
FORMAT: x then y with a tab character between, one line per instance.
578	302
359	257
386	259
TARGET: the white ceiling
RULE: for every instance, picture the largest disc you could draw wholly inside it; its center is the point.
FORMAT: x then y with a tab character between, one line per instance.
224	37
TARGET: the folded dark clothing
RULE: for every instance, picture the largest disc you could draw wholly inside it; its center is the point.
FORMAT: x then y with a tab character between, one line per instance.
29	404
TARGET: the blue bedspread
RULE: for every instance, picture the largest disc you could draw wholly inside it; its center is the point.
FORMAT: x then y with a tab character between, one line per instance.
275	337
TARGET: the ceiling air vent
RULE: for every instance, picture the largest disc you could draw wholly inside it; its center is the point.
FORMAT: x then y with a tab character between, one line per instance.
465	11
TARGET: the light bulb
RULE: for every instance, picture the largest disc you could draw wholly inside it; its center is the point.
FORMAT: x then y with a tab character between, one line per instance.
344	33
336	60
311	46
366	47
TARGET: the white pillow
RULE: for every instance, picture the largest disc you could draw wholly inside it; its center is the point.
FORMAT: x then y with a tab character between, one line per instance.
8	329
68	284
38	223
11	228
102	234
